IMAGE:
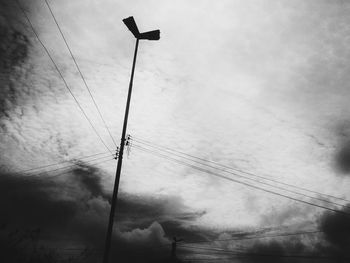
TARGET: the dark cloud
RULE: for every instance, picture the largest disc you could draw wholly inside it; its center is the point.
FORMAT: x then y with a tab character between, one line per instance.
14	43
261	251
14	52
14	47
187	233
89	177
31	199
143	210
332	244
336	229
72	211
61	210
343	158
247	233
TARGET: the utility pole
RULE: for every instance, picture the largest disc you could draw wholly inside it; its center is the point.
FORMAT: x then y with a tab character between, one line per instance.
173	249
150	35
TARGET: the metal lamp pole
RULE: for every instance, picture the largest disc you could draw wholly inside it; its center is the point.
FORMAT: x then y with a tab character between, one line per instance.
150	35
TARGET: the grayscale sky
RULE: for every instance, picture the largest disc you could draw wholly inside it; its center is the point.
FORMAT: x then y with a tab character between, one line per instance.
262	86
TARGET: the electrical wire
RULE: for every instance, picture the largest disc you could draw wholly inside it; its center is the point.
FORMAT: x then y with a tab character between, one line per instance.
229	259
214	249
255	237
235	169
66	172
80	72
216	259
60	74
250	254
255	180
65	167
242	183
54	164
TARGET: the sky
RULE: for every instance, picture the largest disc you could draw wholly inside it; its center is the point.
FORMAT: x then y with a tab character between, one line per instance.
261	86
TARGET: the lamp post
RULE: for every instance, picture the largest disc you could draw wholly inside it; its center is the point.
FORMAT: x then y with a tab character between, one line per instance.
149	35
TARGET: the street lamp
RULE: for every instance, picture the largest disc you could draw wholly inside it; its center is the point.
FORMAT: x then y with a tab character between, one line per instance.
150	35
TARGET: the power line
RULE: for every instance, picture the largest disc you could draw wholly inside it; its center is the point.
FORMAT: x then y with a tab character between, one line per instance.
148	247
69	166
255	237
243	183
91	162
218	250
54	164
214	249
64	173
251	254
235	169
215	259
209	259
256	180
59	174
81	74
229	258
209	252
60	73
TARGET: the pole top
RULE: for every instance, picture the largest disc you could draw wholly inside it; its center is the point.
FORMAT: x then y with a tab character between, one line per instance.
149	35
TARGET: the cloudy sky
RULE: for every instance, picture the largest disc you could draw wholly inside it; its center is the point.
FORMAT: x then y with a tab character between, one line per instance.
261	86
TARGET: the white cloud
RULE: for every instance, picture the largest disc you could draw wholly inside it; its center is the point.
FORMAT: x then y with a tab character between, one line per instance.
154	234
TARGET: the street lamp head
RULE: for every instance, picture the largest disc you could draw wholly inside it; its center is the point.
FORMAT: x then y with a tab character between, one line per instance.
150	35
131	24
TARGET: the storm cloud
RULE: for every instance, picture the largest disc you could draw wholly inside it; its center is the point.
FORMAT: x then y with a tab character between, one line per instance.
336	229
14	55
74	213
342	155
